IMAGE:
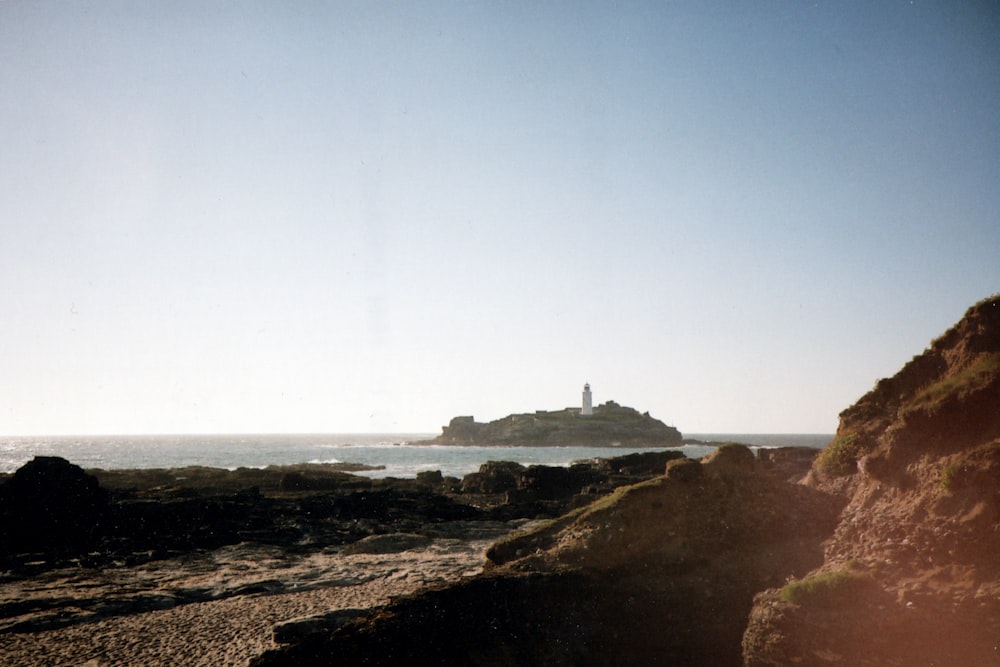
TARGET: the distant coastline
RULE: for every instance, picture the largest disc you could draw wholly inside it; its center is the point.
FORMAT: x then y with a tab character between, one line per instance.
815	440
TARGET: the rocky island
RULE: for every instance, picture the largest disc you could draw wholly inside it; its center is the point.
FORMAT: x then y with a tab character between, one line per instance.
607	425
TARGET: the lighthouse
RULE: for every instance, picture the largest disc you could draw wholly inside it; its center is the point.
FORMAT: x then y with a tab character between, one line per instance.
588	408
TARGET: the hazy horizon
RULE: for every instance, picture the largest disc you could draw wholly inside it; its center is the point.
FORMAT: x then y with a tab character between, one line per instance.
372	217
337	433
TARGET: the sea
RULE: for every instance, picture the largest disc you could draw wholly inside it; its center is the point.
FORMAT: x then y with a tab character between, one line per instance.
394	453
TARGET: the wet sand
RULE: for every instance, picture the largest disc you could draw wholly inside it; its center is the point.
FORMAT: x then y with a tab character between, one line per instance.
109	621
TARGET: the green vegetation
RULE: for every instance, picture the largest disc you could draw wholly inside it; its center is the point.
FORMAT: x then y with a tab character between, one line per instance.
841	456
616	496
542	536
949	476
537	538
609	412
827	588
975	376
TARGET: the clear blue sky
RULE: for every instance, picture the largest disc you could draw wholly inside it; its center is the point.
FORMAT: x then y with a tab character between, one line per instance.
370	217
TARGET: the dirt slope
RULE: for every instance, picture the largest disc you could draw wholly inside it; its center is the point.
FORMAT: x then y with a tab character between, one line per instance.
912	573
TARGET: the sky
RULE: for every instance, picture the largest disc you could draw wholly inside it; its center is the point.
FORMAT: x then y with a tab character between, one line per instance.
364	217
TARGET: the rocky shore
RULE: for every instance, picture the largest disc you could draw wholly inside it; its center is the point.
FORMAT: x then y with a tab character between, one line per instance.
214	567
658	572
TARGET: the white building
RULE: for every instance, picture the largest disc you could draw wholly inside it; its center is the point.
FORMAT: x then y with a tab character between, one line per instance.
588	406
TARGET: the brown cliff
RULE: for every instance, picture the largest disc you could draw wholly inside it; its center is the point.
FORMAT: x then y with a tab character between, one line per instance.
912	573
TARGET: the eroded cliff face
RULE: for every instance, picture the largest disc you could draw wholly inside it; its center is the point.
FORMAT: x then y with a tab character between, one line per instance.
911	575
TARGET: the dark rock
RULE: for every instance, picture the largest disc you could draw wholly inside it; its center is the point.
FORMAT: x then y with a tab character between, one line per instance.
554	482
640	463
51	506
300	629
269	587
431	478
482	621
322	480
493	477
388	544
396	506
293	481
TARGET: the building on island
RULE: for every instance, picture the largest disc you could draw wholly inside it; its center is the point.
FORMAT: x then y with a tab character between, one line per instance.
588	408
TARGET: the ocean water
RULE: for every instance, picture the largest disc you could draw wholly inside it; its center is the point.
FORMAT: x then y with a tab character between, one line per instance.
390	450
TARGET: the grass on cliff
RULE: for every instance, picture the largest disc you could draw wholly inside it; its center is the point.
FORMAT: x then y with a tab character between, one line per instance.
973	377
841	456
827	588
543	535
949	476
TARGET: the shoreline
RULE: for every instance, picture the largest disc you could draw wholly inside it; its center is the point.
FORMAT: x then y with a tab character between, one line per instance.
228	630
200	564
400	453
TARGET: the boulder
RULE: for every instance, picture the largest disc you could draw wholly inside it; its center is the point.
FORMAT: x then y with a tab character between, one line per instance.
640	463
555	482
300	629
431	478
51	506
493	477
387	544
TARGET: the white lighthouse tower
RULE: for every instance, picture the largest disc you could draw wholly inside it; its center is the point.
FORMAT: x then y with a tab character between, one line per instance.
588	408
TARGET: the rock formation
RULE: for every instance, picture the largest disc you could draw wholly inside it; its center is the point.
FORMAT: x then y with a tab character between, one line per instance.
911	575
610	425
53	513
661	572
50	506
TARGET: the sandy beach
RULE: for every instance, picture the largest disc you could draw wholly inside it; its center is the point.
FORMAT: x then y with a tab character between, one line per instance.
100	624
